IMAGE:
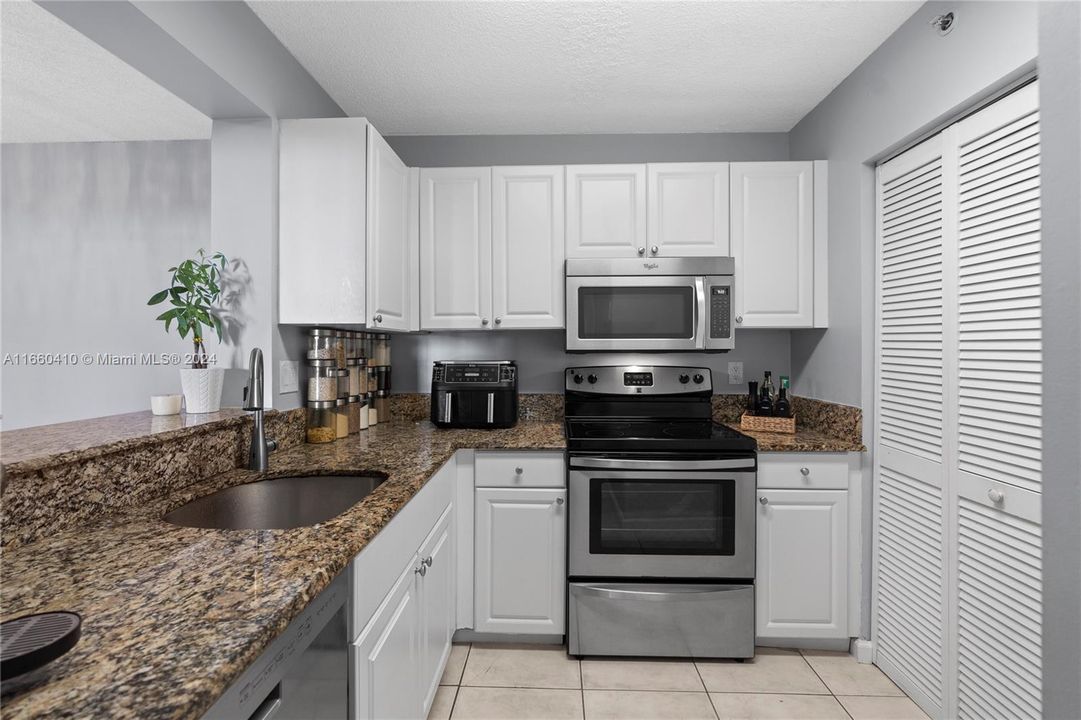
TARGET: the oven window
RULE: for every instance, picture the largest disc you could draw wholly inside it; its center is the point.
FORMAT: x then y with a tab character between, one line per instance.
662	517
635	313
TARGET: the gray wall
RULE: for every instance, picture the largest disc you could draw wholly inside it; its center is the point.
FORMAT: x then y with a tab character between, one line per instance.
89	231
467	150
541	358
1060	120
911	83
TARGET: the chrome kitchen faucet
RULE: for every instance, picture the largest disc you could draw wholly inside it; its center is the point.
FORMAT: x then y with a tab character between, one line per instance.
253	393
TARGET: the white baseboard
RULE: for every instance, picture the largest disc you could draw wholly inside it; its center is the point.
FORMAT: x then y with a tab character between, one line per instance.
863	651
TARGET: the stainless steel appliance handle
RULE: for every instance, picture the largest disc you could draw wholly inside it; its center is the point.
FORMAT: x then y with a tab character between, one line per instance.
446	408
662	465
649	592
700	312
491	407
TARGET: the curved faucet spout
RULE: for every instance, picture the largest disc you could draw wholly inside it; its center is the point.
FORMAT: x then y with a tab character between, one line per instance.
253	393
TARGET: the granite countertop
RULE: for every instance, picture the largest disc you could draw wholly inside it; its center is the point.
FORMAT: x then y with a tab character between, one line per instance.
172	615
802	440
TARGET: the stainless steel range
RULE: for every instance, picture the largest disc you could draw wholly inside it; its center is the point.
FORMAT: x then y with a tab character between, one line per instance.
661	525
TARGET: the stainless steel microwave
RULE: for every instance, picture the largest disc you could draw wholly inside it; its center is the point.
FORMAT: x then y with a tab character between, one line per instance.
650	304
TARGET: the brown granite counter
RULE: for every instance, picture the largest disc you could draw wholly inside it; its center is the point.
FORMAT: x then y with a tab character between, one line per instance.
172	615
803	440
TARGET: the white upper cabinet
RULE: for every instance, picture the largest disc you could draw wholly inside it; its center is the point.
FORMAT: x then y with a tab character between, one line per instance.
389	276
773	220
527	246
606	211
346	247
688	209
321	247
455	248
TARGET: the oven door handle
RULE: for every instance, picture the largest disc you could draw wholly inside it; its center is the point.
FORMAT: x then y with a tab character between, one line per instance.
650	593
662	465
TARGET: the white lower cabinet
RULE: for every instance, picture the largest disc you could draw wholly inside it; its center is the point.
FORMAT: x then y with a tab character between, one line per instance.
520	573
802	569
436	605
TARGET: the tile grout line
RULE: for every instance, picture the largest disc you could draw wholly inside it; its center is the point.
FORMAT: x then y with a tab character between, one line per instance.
705	689
823	681
582	686
458	685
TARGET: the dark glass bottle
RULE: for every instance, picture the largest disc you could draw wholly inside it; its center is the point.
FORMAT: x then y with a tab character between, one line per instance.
765	404
782	408
752	397
767	386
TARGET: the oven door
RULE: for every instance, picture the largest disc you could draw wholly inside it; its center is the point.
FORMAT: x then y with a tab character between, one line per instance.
630	313
645	518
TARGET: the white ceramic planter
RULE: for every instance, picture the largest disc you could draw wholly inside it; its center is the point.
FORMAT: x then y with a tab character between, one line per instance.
202	389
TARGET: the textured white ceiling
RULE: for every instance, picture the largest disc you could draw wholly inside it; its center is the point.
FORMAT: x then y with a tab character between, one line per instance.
60	86
580	67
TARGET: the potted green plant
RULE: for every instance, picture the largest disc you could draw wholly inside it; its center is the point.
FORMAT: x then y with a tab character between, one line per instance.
193	294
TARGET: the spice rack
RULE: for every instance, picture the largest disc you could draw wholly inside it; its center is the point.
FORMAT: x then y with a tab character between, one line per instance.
348	382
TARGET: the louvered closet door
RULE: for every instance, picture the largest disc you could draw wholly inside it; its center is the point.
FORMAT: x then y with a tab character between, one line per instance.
997	470
908	627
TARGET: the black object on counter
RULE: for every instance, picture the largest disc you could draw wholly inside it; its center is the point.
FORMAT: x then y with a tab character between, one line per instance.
31	641
475	394
765	405
752	397
783	408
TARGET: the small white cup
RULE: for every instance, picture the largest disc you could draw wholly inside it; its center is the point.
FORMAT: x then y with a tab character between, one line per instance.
165	404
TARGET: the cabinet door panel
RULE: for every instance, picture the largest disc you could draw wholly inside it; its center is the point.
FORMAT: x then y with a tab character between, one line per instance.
385	656
456	248
389	279
606	210
688	209
520	560
802	564
773	243
437	604
527	246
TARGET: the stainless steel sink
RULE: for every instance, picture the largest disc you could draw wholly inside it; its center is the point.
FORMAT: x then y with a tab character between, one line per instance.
279	503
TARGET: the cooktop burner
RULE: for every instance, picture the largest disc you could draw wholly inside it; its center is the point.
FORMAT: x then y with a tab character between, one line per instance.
646	435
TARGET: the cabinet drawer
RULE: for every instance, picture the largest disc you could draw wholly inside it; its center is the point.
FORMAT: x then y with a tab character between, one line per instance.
803	471
520	469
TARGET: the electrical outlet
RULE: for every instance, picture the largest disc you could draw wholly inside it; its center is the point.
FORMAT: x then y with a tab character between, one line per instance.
735	373
288	372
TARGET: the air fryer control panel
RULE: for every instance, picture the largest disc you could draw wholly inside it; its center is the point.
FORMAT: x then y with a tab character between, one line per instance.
720	311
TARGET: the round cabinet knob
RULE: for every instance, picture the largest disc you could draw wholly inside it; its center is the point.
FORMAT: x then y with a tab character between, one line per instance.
654	250
805	471
378	318
422	570
518	471
559	501
739	318
763	500
484	321
592	379
427	561
684	379
996	496
641	251
499	321
578	379
698	378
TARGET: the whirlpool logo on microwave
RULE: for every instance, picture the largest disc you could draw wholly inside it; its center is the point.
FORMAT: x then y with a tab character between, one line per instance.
651	266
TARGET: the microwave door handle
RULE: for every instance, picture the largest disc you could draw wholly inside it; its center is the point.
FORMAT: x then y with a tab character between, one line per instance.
700	313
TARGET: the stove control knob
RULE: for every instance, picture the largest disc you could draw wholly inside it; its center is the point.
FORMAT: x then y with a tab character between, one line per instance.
592	379
577	379
684	379
698	378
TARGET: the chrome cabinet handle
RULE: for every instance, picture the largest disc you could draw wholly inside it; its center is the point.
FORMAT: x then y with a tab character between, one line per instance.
996	496
422	570
641	251
739	318
378	318
764	500
427	561
559	501
484	321
804	471
499	321
654	250
518	471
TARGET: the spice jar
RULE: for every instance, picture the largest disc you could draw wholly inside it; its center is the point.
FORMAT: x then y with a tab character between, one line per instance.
320	344
342	374
366	346
351	350
341	418
355	368
322	380
373	414
322	419
339	348
382	405
382	379
365	415
382	350
354	414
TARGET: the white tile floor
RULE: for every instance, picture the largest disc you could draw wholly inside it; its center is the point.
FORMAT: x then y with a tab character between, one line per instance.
508	682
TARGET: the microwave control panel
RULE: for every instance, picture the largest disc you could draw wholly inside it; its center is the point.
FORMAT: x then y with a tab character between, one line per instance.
720	312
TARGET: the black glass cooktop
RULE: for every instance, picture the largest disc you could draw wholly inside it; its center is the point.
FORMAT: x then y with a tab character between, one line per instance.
646	434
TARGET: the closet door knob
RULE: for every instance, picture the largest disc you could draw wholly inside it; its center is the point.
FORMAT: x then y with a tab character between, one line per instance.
996	496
